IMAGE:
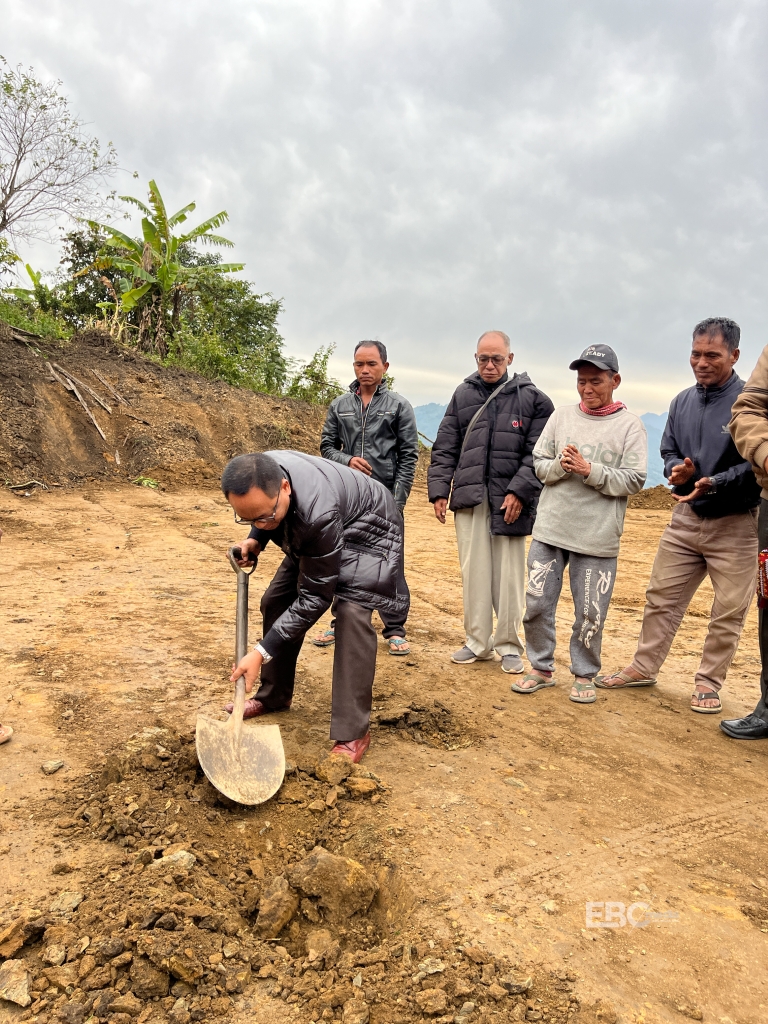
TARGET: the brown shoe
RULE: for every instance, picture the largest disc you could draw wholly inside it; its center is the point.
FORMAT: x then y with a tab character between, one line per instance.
253	708
353	749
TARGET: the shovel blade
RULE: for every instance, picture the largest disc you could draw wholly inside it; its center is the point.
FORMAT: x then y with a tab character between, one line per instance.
248	775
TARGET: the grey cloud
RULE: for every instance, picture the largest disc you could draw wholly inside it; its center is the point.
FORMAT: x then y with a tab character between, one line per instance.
419	171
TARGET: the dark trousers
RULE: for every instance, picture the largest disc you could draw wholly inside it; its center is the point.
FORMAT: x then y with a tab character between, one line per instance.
762	618
393	626
354	658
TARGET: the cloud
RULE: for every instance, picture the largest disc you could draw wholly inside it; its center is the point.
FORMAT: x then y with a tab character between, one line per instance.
421	170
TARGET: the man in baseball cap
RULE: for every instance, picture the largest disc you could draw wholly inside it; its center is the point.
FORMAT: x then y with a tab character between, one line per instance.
589	457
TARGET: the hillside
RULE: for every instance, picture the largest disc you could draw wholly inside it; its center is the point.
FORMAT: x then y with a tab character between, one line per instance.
167	424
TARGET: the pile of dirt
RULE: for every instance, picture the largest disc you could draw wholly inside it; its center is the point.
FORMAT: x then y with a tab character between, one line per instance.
433	724
659	497
164	423
208	908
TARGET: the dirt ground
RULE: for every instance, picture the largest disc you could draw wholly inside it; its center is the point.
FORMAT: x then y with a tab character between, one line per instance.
496	819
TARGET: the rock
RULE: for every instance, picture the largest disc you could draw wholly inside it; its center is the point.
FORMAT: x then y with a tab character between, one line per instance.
256	868
278	905
317	807
549	907
497	992
61	867
355	1012
310	911
361	787
184	967
100	977
334	769
432	965
432	1001
61	977
692	1012
54	955
102	1001
181	860
111	773
331	797
488	973
87	964
12	938
51	767
343	885
66	902
147	981
168	922
516	986
71	1012
127	1003
476	954
14	982
336	996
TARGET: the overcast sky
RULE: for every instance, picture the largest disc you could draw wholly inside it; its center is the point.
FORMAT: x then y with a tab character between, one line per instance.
419	171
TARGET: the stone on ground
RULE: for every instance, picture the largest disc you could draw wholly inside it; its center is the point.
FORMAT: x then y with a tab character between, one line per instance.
14	983
278	905
342	885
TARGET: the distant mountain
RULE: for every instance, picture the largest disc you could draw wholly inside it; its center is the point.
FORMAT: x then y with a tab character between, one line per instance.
428	420
654	425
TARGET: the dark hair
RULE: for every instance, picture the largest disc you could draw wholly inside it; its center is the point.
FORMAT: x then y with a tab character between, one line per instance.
715	325
247	471
373	344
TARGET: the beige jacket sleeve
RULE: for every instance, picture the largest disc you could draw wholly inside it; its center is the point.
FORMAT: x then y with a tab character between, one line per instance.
749	420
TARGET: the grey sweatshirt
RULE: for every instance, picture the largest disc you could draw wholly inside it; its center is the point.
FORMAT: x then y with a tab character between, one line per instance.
581	514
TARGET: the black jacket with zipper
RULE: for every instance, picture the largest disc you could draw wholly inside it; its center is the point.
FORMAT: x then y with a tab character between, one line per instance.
345	537
697	429
497	459
383	433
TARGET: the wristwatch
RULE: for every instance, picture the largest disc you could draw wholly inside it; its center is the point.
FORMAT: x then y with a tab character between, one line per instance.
265	657
712	485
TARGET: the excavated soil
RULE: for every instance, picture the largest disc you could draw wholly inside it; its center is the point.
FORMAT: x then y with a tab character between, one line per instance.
172	426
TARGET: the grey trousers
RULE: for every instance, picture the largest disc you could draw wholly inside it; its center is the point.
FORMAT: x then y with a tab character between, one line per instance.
762	618
354	659
592	581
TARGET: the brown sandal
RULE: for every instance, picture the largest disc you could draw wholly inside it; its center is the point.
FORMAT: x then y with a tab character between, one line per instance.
699	696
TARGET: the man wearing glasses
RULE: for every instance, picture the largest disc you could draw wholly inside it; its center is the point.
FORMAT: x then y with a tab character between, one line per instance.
482	458
343	538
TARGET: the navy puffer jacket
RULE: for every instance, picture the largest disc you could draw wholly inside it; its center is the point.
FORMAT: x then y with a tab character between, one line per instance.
498	455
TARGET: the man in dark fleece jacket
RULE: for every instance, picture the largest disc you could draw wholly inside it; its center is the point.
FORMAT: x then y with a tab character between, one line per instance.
482	458
713	530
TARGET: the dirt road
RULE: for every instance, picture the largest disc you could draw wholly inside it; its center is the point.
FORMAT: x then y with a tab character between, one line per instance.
505	815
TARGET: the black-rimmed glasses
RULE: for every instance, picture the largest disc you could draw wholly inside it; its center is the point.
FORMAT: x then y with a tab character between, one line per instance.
259	520
496	360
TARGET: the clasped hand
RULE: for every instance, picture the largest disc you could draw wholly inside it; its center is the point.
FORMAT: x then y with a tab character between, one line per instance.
573	461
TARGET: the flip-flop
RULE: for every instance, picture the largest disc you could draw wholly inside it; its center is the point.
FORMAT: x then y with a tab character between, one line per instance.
706	695
5	733
582	688
541	683
626	681
398	645
326	639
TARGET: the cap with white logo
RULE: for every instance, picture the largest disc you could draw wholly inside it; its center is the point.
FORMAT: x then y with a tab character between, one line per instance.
601	356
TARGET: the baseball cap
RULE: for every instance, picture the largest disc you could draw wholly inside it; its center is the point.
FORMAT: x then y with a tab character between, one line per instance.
601	356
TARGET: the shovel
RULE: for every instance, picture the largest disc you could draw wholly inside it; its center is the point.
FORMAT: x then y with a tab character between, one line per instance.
246	765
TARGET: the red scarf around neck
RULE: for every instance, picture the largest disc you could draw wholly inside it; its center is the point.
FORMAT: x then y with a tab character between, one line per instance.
605	410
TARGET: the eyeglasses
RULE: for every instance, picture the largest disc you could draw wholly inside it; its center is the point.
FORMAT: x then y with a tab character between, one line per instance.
259	519
496	360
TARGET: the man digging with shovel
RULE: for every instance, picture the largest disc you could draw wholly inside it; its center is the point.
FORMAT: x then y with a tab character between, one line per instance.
342	535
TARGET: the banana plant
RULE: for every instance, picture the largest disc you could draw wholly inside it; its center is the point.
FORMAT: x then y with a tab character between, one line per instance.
46	298
153	279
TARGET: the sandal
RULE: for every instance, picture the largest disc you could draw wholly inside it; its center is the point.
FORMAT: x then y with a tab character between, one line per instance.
541	683
398	645
580	689
626	681
5	733
699	696
325	639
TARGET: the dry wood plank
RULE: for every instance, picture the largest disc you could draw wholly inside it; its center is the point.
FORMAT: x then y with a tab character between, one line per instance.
115	394
85	387
91	417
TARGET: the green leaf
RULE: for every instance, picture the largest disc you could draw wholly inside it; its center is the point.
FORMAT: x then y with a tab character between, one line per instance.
129	299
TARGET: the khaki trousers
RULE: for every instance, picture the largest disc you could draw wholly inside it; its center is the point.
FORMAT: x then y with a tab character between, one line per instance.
493	576
690	549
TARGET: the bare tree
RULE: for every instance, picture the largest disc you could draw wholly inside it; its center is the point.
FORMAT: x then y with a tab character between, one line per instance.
49	165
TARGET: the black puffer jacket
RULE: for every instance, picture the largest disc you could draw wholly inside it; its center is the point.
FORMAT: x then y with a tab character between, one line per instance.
345	534
498	455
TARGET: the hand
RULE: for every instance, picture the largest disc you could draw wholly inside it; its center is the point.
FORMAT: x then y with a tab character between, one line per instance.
249	551
249	666
441	506
360	465
682	474
699	490
573	461
512	508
